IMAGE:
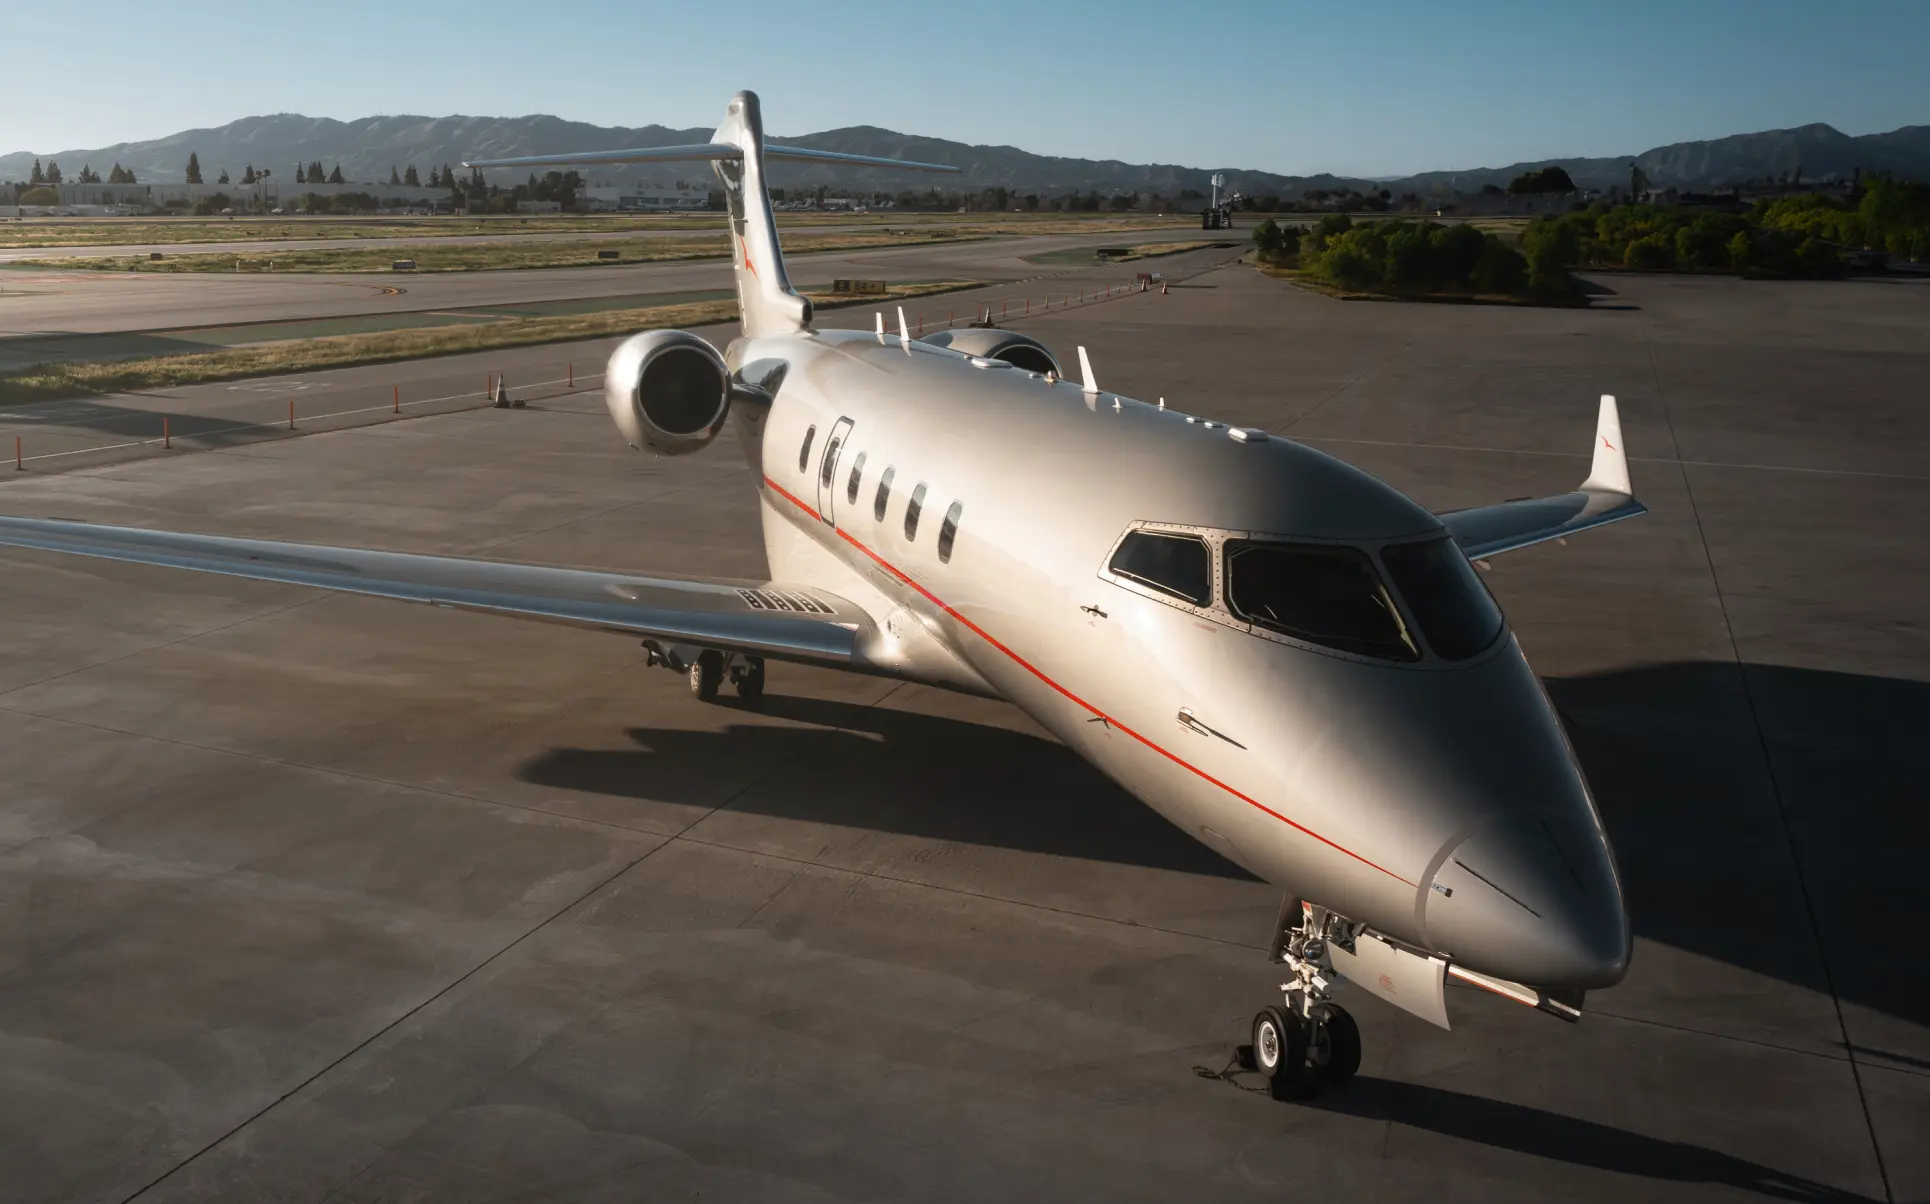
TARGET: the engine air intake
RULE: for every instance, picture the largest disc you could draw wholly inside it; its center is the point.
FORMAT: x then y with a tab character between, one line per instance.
668	391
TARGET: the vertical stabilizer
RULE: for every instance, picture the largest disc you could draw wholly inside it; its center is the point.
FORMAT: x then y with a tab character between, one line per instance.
770	305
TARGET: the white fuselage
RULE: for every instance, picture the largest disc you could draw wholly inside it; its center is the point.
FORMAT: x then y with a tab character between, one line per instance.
1348	780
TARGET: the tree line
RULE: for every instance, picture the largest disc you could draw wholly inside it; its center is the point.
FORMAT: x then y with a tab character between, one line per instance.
1405	256
1793	236
51	174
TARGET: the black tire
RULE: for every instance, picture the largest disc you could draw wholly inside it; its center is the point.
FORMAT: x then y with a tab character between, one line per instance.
1280	1052
706	674
750	683
1339	1041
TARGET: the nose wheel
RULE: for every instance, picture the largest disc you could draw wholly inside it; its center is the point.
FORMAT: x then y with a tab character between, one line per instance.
1300	1056
1307	1042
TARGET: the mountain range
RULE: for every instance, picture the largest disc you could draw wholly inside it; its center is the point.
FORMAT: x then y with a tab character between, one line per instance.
368	148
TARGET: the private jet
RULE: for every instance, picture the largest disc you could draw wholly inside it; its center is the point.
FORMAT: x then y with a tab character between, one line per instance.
1290	660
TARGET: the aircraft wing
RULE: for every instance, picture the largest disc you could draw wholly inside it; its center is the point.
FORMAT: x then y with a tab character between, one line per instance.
1605	497
761	618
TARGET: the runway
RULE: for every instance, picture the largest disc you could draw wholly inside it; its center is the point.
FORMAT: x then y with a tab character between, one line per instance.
305	896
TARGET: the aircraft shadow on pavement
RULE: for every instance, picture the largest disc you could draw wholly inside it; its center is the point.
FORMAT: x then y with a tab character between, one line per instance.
1560	1138
899	772
1705	789
1718	783
127	422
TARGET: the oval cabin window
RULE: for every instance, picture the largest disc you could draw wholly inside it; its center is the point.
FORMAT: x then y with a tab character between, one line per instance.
948	532
857	473
913	509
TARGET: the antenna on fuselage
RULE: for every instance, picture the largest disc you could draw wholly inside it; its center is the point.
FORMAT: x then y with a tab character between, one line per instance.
881	325
904	330
1085	371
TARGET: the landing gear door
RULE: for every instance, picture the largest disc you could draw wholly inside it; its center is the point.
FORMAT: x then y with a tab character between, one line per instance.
828	470
1407	980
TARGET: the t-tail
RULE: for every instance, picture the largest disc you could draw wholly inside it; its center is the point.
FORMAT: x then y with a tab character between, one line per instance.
738	152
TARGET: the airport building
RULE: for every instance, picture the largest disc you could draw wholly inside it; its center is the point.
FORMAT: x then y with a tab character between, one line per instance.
638	196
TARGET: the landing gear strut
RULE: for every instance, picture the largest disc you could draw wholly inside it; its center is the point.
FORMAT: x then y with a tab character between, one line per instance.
1308	1042
708	669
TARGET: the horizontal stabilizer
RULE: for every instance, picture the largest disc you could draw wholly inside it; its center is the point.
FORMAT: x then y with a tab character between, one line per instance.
652	154
711	151
1605	497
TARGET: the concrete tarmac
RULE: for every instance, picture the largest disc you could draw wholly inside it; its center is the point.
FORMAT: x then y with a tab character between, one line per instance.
305	896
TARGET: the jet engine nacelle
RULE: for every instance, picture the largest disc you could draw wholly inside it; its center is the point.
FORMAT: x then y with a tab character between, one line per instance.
991	343
668	391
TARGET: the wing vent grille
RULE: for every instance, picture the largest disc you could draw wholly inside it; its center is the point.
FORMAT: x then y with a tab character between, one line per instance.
770	599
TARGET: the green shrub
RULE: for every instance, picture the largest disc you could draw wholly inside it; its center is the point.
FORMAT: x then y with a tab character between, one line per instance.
1502	269
1266	238
1410	256
1332	225
1741	252
1818	258
1651	252
1348	267
1546	271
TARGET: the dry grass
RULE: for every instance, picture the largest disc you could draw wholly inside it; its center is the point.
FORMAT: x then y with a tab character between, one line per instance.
105	232
1153	250
47	382
489	257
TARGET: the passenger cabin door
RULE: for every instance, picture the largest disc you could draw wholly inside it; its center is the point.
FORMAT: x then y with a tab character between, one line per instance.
828	469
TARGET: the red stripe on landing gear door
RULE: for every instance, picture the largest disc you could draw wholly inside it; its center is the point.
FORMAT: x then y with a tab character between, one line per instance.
1029	667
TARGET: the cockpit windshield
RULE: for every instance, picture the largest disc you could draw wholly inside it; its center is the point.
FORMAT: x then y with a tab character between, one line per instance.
1453	608
1319	593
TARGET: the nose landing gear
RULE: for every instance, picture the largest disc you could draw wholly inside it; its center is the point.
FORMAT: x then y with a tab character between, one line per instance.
1309	1042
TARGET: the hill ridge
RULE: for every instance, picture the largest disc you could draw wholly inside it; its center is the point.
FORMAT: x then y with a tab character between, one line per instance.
368	147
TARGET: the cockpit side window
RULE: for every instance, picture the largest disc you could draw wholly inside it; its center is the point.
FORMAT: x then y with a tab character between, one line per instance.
1323	594
1179	565
1447	598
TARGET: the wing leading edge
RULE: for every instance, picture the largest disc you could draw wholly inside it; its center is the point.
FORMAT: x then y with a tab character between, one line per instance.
1605	497
765	619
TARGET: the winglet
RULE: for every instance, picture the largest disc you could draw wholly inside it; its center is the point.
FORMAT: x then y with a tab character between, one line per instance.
1085	372
1609	471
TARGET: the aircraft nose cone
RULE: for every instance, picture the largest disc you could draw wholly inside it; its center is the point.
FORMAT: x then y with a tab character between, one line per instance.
1533	897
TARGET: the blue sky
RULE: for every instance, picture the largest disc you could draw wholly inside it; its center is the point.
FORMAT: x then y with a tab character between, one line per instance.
1392	87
